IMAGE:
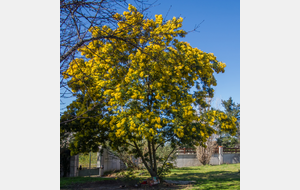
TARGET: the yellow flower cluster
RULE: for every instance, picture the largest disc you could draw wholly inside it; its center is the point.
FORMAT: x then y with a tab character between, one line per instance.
179	132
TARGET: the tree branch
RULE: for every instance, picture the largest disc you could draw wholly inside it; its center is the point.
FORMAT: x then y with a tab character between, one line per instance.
166	160
154	157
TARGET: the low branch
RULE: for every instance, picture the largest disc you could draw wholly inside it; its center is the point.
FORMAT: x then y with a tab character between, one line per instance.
167	160
140	153
83	41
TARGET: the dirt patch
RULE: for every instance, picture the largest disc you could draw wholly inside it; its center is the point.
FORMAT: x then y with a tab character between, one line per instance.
119	185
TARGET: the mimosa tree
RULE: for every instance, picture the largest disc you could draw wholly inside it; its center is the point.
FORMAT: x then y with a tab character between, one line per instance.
145	90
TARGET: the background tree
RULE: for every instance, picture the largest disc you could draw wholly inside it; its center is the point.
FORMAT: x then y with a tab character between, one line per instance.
228	141
204	153
231	110
145	87
206	149
86	123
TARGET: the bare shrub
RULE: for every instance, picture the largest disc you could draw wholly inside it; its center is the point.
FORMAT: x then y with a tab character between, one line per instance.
204	153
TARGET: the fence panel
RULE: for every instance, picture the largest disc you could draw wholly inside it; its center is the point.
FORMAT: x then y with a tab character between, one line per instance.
186	151
215	151
84	161
231	150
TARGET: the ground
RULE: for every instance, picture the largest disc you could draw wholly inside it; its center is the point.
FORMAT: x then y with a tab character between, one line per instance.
226	176
117	185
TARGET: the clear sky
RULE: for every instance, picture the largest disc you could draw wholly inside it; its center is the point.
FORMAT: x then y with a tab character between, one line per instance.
219	33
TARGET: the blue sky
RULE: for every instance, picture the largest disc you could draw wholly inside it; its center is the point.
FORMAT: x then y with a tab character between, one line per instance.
219	33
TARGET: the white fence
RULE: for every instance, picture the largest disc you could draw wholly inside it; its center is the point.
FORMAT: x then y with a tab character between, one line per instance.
188	158
111	162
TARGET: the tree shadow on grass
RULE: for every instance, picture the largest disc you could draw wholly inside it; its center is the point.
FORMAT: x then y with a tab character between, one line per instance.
78	182
211	180
187	168
207	181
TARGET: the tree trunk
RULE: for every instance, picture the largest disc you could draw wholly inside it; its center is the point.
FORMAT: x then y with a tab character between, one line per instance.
154	157
152	172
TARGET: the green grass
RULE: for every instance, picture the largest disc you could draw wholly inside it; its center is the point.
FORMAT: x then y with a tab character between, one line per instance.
70	181
209	177
206	177
226	176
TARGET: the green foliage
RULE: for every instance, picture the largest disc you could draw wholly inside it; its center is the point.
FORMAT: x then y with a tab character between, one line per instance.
164	152
81	119
128	177
228	141
165	170
231	110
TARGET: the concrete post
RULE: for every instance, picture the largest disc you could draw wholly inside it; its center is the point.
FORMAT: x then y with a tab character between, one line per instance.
100	161
90	164
220	155
74	166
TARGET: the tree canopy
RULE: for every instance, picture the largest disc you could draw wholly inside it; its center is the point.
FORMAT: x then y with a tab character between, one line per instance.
142	92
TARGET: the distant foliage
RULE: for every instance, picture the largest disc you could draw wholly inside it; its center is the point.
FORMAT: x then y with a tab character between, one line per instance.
84	160
226	139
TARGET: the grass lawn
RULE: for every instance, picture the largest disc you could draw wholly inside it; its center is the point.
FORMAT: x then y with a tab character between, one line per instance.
206	177
209	177
226	176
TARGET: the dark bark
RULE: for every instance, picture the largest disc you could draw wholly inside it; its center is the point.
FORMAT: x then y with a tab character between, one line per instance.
154	157
144	161
150	155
